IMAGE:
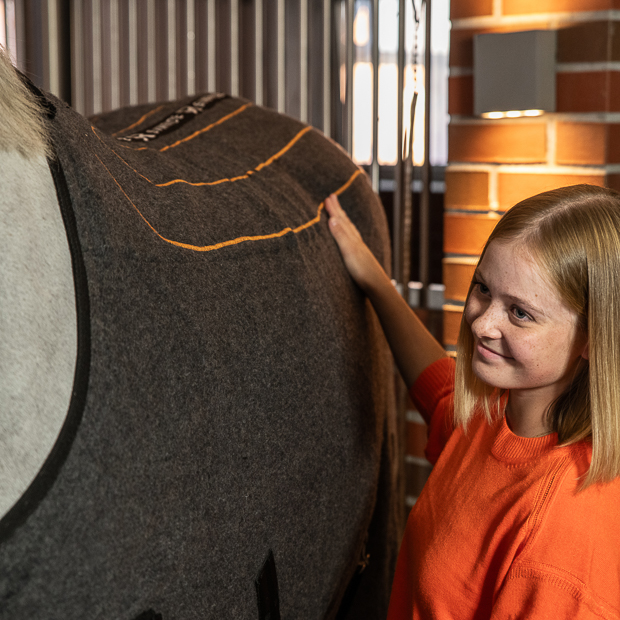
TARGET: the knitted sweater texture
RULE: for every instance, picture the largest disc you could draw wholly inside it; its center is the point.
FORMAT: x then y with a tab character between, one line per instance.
501	529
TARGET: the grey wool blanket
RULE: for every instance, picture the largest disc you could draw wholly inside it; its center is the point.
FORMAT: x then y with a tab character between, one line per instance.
229	450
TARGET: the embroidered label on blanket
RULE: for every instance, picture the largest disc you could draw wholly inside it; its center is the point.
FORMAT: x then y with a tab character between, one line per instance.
176	119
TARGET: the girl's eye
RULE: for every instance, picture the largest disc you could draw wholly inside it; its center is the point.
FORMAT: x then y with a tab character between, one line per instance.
483	288
520	314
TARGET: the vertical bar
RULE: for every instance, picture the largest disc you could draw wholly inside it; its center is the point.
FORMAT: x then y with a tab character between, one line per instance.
97	57
172	48
327	68
403	189
133	51
234	48
3	32
77	40
374	167
191	47
11	29
259	45
303	60
53	47
211	46
281	57
151	59
115	64
426	167
350	13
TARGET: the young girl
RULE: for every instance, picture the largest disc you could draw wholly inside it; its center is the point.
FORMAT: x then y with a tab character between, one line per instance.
520	517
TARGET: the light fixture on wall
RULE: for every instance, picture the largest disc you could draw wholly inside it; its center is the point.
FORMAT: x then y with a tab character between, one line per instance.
514	73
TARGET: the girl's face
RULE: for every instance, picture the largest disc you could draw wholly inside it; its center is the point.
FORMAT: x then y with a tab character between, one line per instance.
525	337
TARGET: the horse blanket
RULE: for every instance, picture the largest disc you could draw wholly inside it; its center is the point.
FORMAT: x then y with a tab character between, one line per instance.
229	447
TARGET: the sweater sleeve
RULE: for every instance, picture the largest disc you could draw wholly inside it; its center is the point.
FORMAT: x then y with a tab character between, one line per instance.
433	395
546	594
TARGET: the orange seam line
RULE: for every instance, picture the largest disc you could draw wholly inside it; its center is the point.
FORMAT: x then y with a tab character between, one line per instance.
139	121
241	177
223	244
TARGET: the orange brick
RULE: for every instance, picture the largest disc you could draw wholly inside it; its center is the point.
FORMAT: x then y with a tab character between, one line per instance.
457	276
614	91
466	190
513	188
509	143
461	95
613	181
520	7
588	91
462	47
581	143
587	42
465	233
416	439
470	8
451	325
613	143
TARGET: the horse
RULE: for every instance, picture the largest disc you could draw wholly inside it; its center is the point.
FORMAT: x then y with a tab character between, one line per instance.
196	402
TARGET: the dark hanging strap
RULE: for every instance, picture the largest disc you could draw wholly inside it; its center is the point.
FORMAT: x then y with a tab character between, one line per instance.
266	583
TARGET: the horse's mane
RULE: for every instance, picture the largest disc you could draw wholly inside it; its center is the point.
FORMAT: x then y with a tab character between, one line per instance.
22	123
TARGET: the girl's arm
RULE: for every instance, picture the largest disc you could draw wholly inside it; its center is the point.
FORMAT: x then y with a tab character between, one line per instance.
412	345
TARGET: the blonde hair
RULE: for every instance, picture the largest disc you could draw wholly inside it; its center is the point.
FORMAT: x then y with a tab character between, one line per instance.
22	122
574	235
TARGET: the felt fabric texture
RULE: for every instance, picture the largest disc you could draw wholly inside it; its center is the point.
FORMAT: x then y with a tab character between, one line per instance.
233	390
501	529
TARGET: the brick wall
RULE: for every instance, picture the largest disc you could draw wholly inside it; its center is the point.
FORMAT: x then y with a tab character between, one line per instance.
495	163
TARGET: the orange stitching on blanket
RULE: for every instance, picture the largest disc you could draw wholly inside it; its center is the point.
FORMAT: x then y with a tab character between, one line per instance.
139	121
258	168
223	244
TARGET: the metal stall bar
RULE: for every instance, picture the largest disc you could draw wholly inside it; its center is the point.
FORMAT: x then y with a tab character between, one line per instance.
172	44
258	52
77	56
132	61
53	47
403	191
349	59
303	60
327	68
211	47
281	57
11	31
191	47
234	48
97	73
374	167
3	30
426	167
115	67
151	40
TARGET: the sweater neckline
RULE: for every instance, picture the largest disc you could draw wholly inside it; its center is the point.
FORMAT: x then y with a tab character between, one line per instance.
510	447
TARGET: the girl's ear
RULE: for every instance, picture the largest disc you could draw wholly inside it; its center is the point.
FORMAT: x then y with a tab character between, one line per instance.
586	351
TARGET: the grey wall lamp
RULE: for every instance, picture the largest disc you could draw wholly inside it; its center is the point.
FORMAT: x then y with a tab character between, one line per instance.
514	73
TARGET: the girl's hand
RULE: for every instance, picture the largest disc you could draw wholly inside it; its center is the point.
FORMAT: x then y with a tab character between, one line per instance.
412	345
359	260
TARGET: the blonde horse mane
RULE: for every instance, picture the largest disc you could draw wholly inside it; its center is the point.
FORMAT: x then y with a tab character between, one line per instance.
22	124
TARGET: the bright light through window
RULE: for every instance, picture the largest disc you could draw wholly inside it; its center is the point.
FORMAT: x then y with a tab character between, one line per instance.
388	84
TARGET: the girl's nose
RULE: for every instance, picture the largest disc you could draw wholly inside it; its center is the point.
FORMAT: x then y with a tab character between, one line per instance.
488	323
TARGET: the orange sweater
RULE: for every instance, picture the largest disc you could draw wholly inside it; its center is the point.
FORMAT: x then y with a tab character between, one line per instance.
499	530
